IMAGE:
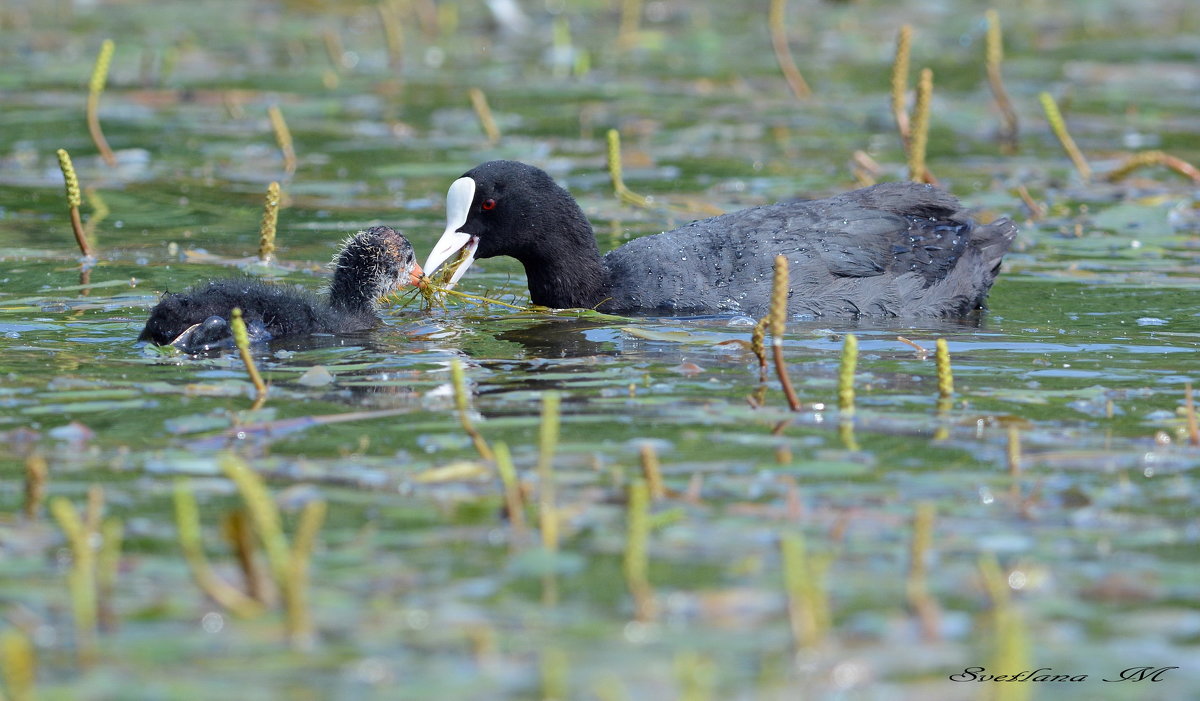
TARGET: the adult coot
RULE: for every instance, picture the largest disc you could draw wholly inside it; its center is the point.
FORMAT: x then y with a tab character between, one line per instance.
897	249
371	264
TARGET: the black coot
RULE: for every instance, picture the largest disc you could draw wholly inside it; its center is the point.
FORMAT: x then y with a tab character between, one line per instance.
897	249
371	265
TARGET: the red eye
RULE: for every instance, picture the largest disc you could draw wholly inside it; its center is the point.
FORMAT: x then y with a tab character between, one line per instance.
488	204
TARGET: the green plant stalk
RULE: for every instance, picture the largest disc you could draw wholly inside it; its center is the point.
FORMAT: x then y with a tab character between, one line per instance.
459	380
778	315
554	673
74	200
242	340
483	112
917	584
393	34
298	615
919	139
513	502
547	444
18	665
187	521
1154	158
95	88
81	580
995	55
631	19
270	220
637	562
1059	126
283	137
108	561
1189	413
944	374
622	192
267	523
804	588
783	54
900	85
652	472
36	471
846	375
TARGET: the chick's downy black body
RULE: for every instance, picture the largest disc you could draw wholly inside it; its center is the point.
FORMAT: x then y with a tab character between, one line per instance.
370	265
896	249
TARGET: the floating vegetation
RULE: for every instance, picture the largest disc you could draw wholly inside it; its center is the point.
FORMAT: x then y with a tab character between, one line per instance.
74	200
266	230
995	56
95	88
776	20
483	112
1055	118
283	137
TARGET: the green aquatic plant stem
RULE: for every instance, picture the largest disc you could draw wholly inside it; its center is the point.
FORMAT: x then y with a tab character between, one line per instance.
242	340
623	193
994	57
651	470
846	375
36	473
299	617
18	665
547	445
514	503
777	22
95	88
283	138
108	566
74	200
458	379
778	323
1146	159
393	33
483	111
270	221
917	584
1059	126
81	579
919	138
803	579
900	84
636	563
187	522
945	376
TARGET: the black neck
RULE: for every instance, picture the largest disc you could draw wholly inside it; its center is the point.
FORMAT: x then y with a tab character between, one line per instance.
350	293
571	274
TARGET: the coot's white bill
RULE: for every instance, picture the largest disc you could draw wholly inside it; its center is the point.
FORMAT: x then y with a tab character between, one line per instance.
458	207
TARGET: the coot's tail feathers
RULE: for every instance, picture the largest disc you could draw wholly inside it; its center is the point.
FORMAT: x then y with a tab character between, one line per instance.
966	288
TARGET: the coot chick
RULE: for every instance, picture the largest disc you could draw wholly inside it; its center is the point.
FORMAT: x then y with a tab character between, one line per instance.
371	265
896	249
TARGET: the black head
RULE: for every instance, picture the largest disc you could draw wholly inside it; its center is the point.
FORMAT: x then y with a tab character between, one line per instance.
507	208
372	264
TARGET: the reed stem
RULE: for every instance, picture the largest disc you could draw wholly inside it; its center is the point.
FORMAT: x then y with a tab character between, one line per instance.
283	137
74	200
266	230
995	55
944	374
900	85
459	379
652	473
846	375
242	340
547	444
514	502
780	288
776	19
1055	118
637	562
917	170
483	112
1154	158
95	88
